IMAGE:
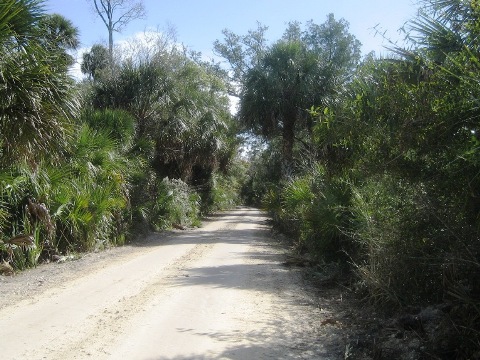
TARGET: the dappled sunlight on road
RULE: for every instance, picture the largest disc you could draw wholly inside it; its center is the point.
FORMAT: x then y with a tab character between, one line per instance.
218	292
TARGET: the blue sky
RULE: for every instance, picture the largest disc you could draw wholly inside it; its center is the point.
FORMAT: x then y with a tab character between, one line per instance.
199	23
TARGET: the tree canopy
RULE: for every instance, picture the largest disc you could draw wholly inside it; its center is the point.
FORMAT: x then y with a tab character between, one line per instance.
279	83
36	91
370	164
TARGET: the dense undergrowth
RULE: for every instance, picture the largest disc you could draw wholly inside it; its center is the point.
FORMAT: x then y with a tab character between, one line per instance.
145	142
385	176
100	195
372	165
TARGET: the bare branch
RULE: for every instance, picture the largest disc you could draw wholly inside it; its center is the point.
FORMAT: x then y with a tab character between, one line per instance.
99	12
116	14
136	12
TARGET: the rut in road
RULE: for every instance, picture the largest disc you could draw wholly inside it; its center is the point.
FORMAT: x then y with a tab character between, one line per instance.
218	292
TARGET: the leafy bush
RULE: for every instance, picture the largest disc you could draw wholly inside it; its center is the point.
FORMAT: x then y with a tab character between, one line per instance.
76	205
118	124
412	250
27	229
329	218
225	188
73	177
315	210
90	201
175	204
263	174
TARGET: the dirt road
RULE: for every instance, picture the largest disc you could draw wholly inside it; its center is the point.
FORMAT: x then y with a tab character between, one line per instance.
218	292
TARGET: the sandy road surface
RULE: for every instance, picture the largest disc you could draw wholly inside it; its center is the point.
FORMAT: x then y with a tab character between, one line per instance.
219	292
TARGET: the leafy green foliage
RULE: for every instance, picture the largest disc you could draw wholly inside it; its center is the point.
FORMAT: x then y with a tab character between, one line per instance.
91	201
76	207
176	204
398	187
18	19
36	98
401	243
263	173
278	83
58	35
26	226
151	127
225	188
180	107
314	210
378	168
95	62
118	124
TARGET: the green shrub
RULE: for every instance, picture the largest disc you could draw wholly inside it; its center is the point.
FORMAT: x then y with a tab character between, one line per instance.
405	244
176	204
90	199
295	200
25	223
119	124
262	175
225	188
328	218
79	204
315	211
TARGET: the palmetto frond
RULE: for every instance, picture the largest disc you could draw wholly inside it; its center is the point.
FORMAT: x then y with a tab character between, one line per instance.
35	97
436	36
453	11
17	20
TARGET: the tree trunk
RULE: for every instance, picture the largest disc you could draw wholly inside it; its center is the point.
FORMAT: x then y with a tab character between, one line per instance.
110	32
110	43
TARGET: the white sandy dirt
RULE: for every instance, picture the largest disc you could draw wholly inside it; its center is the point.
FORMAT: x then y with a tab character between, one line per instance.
218	292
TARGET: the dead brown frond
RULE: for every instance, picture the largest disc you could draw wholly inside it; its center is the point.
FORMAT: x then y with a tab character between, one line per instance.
39	212
22	240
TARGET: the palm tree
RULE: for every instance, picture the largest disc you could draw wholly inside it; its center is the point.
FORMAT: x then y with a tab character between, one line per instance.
274	98
303	69
35	93
95	61
58	35
17	19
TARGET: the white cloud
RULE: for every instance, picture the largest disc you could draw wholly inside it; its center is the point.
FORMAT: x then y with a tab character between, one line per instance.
145	43
75	70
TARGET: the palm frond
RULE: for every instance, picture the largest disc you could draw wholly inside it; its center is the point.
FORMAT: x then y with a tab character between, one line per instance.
18	18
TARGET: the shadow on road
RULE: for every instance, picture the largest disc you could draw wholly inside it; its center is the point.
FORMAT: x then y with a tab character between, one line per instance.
250	352
257	228
262	273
